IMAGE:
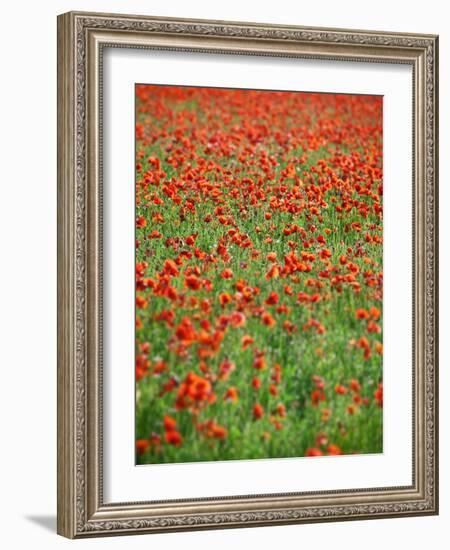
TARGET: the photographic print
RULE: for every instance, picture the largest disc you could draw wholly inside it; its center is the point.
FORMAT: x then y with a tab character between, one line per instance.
259	274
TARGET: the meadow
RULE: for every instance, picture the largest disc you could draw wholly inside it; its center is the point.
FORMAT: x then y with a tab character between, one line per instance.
259	276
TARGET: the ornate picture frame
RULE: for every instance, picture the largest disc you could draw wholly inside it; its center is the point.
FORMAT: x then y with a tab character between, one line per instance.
82	38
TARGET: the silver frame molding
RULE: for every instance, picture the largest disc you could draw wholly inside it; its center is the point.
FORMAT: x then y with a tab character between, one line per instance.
81	39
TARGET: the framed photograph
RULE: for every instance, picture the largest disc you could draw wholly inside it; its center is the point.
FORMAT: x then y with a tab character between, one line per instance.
247	276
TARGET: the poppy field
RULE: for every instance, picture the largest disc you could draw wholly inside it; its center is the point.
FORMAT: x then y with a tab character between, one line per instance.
259	274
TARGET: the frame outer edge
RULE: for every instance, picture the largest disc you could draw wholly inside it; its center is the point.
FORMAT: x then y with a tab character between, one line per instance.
66	524
436	269
161	19
75	482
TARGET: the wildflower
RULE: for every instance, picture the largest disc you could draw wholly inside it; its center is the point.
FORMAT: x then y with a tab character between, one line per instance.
378	394
142	446
231	394
273	389
246	341
227	274
258	411
173	438
141	222
362	314
256	383
226	368
272	299
333	449
170	423
340	389
313	451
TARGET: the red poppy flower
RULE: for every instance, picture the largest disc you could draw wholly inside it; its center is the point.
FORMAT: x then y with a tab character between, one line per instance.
313	451
231	394
173	438
227	274
142	446
258	411
333	449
